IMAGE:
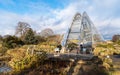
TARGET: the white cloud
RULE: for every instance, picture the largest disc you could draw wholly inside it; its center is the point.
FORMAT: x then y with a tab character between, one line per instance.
106	3
108	27
60	19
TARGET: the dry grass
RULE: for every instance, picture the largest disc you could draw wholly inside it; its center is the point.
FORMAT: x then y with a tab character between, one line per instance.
114	73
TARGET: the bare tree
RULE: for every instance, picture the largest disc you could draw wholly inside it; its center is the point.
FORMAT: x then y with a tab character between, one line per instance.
116	38
22	28
46	32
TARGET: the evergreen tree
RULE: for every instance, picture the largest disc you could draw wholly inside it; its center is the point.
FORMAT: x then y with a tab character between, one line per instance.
30	37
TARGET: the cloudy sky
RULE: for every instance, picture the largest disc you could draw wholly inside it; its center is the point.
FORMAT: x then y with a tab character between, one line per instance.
58	14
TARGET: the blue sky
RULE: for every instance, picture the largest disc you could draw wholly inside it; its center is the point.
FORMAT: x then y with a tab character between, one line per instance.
58	14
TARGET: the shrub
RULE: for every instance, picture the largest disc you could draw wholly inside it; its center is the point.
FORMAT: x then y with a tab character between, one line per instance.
27	62
11	42
72	46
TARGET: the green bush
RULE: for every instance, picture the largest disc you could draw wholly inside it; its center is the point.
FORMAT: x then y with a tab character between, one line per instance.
11	42
71	46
